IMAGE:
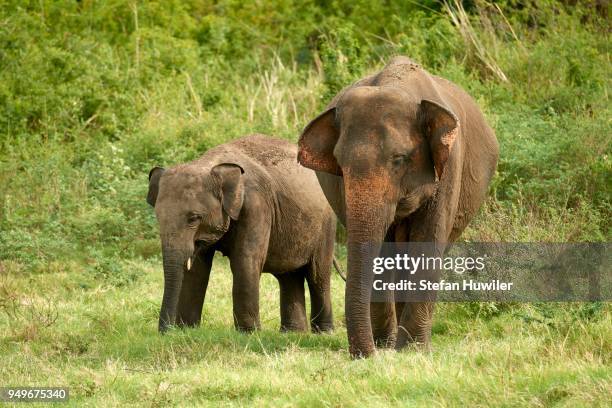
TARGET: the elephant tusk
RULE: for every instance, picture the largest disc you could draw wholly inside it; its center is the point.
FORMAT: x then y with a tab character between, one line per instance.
188	264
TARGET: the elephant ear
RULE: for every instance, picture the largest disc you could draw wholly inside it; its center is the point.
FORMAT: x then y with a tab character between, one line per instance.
154	176
440	126
231	182
317	142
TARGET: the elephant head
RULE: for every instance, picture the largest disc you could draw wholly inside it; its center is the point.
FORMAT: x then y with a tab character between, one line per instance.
194	207
389	147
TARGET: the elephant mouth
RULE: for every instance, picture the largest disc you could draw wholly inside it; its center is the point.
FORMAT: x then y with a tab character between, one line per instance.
201	245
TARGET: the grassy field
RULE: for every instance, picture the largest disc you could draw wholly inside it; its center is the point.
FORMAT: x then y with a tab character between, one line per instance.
94	94
101	341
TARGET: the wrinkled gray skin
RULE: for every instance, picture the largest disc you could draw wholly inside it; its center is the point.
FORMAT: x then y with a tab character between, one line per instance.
250	200
402	156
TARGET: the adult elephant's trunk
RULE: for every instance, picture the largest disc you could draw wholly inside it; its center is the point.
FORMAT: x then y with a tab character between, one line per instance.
367	217
174	264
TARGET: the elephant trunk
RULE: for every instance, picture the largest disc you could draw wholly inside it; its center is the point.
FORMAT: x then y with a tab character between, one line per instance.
368	217
174	264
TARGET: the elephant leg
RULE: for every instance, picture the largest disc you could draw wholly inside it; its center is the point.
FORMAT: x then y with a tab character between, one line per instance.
292	301
250	241
401	234
318	278
384	322
383	314
193	291
415	326
245	292
415	318
384	326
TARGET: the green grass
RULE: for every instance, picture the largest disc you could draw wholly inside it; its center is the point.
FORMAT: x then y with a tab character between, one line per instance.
101	342
94	94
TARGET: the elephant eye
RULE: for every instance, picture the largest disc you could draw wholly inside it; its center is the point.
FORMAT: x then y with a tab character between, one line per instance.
193	218
399	159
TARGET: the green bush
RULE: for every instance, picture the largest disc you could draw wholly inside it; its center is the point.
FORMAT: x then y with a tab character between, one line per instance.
94	94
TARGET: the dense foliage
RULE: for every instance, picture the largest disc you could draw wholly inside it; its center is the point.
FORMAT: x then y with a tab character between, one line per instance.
93	94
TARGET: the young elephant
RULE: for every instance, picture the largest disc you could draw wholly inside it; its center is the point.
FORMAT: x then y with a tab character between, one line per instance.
250	200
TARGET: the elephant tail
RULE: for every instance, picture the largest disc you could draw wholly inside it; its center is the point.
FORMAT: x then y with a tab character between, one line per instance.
339	269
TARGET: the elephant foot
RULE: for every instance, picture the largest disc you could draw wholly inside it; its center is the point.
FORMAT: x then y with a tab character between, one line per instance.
414	331
247	322
184	322
384	326
292	327
405	341
362	349
361	353
319	328
415	346
246	328
385	341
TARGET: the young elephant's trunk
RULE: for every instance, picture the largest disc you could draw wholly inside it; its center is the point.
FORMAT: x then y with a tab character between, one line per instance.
174	264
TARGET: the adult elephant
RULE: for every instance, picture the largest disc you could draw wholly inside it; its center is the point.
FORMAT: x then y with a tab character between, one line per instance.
402	155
